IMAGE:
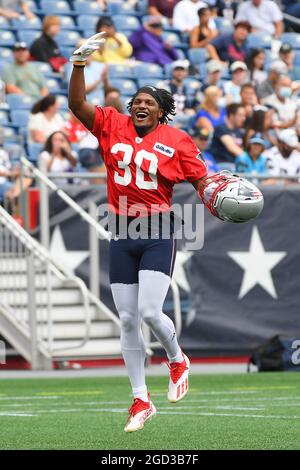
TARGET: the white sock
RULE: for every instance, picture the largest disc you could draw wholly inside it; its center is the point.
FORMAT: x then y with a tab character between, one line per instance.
141	393
178	358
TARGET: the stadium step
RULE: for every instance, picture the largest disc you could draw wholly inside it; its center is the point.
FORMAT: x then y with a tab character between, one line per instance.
94	348
73	330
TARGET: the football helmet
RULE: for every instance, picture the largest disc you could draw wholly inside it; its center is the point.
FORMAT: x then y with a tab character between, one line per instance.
230	197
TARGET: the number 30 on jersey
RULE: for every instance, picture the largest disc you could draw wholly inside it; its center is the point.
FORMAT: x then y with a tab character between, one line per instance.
126	178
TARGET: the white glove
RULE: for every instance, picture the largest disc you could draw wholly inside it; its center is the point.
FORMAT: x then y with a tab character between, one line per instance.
90	45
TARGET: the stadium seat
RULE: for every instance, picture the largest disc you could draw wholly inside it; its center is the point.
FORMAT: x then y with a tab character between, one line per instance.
88	8
34	151
126	22
120	71
122	8
147	70
28	36
24	23
10	134
19	101
174	39
197	55
192	85
152	81
55	7
291	38
7	38
224	26
260	41
87	22
14	151
66	51
19	117
63	103
53	86
67	22
3	117
4	23
126	87
67	38
44	67
6	54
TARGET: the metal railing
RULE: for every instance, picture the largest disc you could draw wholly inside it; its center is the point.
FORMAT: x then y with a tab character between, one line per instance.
95	231
29	274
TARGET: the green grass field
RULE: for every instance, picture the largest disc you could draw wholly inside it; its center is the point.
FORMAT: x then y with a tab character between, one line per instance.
255	411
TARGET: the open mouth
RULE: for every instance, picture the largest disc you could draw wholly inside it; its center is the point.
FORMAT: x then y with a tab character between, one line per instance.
141	115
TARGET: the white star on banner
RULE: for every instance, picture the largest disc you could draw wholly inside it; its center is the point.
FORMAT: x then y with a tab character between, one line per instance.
69	259
179	274
257	264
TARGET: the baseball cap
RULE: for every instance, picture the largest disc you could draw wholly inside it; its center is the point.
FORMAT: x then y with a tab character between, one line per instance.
285	48
203	133
180	64
279	67
238	65
289	137
155	21
214	66
20	45
257	139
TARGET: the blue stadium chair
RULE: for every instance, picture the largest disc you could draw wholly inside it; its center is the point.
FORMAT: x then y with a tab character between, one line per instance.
67	22
66	51
55	7
10	134
4	23
87	22
120	71
153	82
28	36
126	87
223	25
174	39
24	23
6	55
3	117
53	86
19	101
63	103
34	7
147	70
297	58
122	8
126	22
7	38
67	38
260	40
14	151
197	56
291	38
19	117
295	73
34	151
44	67
192	85
88	8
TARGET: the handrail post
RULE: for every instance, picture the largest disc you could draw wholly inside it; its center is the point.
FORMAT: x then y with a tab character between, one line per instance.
94	253
44	210
32	310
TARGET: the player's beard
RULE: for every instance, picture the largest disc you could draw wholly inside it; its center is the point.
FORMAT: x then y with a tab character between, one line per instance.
143	130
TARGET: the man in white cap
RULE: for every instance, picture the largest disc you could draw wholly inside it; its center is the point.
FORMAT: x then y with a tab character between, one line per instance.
284	159
213	77
232	87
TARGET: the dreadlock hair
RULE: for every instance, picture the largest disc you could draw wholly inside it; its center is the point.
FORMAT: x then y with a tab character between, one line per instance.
164	99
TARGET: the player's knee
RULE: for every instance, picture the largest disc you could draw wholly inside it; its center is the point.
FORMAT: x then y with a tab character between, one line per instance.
150	316
127	321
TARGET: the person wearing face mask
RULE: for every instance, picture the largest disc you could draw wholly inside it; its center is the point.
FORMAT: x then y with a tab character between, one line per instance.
284	158
212	110
283	102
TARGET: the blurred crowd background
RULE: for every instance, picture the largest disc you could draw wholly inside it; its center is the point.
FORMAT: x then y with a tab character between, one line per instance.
232	66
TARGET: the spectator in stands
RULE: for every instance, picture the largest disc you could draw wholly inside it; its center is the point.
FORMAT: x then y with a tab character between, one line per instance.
57	156
44	119
176	85
88	147
248	99
24	77
213	77
284	158
203	34
210	114
232	47
262	122
45	48
267	87
283	102
264	16
228	137
252	160
8	9
163	8
201	138
96	77
113	99
149	45
287	55
232	88
185	16
117	48
256	63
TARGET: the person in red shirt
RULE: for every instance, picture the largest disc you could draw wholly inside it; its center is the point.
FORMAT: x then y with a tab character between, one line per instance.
144	157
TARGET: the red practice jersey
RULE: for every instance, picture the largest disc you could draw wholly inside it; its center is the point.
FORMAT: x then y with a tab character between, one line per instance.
144	169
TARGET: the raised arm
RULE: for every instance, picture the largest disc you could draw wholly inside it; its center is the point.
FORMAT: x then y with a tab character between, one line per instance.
83	110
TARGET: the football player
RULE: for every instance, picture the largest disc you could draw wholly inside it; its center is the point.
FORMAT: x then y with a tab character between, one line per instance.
144	157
